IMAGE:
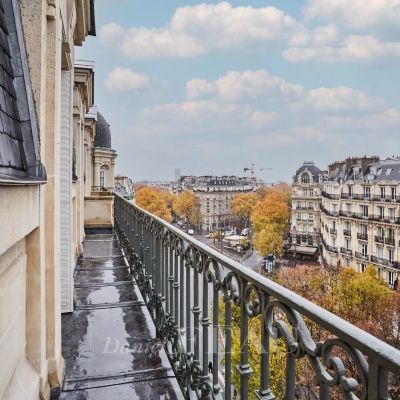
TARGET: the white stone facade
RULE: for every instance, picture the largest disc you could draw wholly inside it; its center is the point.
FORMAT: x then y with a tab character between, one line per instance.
360	218
31	236
305	214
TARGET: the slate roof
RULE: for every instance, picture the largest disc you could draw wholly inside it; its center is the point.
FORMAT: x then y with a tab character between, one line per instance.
312	168
102	137
382	171
19	135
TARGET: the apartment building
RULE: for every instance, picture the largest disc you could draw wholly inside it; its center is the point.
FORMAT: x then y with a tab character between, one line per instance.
47	141
360	215
305	216
214	195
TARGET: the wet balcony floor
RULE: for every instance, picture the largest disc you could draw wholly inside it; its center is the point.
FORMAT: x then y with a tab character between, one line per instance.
109	341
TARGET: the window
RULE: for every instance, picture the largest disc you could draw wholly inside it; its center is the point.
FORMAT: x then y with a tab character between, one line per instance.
367	192
391	212
379	251
363	229
305	178
380	232
364	211
361	267
391	255
350	190
103	176
382	191
390	233
393	193
347	244
364	249
390	276
381	211
348	206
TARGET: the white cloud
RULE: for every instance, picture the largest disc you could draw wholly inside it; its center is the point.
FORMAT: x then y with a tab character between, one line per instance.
323	35
123	79
199	29
238	86
339	99
111	33
357	14
361	48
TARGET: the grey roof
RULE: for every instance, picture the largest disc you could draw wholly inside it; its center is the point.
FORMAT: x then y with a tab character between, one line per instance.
312	168
384	170
102	137
19	134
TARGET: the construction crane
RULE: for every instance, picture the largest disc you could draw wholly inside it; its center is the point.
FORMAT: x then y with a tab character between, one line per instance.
252	169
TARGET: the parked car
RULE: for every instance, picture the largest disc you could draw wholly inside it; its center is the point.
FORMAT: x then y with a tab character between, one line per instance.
229	233
190	231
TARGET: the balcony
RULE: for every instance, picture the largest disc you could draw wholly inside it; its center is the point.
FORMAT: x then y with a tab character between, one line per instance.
347	232
110	344
345	251
361	256
330	196
362	236
379	239
329	212
305	208
390	241
191	290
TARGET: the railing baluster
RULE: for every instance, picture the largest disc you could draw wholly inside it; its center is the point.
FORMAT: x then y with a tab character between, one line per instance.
176	285
170	296
182	291
205	322
216	386
265	392
228	349
244	367
196	313
189	273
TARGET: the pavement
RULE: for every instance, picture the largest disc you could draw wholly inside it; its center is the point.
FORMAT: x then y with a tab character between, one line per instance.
109	342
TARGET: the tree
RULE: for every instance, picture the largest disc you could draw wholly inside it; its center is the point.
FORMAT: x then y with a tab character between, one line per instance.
150	199
269	240
269	220
186	206
242	205
167	197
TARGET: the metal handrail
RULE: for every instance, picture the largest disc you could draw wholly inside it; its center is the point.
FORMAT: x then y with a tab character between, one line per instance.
149	241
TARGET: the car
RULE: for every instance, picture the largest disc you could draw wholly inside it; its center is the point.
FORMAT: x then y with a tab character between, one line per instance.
190	231
229	233
183	227
245	232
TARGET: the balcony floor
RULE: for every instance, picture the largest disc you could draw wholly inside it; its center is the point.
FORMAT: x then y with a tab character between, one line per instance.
109	341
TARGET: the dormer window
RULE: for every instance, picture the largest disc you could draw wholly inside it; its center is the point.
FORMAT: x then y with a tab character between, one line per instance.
305	178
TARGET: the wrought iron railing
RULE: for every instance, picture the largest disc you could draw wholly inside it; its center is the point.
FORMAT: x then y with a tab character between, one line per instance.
182	279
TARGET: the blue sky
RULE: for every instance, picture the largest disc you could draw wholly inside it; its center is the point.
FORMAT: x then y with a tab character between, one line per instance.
211	87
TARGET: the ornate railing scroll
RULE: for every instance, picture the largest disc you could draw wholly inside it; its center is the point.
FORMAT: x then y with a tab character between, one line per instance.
184	283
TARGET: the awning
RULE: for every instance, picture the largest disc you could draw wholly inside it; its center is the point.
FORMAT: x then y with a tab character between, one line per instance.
303	249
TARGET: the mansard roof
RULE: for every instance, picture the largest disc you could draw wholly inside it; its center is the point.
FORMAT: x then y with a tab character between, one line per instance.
19	133
103	133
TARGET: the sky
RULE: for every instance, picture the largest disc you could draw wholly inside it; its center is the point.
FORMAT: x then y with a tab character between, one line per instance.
212	87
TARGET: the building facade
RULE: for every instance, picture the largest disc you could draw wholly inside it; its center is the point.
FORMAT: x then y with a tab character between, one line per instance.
360	215
305	215
45	161
214	195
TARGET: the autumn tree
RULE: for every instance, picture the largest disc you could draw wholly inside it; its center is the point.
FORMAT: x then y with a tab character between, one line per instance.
242	206
150	199
269	221
167	197
186	206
